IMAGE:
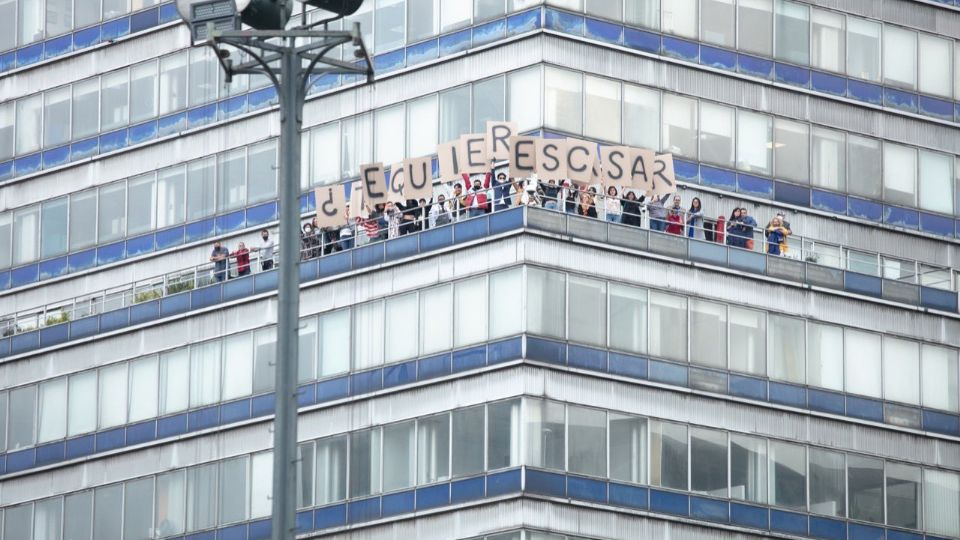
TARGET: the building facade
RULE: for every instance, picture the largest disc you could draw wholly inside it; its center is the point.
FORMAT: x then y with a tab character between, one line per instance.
526	374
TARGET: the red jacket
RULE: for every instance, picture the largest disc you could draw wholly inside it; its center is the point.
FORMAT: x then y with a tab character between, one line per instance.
243	259
483	201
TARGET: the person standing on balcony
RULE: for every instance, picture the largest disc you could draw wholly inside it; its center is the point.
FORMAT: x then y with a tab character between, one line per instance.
613	206
695	220
242	254
476	202
501	192
265	250
219	257
777	237
632	213
658	213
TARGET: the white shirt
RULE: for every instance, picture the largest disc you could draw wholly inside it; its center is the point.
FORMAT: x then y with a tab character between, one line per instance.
266	247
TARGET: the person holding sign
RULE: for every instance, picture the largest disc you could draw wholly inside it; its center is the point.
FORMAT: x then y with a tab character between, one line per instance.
612	205
476	201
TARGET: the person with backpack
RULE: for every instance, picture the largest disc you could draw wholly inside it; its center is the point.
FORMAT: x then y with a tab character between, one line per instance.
439	214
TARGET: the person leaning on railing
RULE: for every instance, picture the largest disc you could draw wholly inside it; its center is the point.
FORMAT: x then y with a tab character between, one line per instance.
777	237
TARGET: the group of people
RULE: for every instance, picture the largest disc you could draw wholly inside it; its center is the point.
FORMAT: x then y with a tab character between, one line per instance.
221	256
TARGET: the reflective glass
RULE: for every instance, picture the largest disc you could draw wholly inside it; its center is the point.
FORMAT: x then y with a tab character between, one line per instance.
563	100
792	32
171	196
138	509
401	325
487	9
863	48
899	174
717	24
505	318
587	441
716	134
863	166
56	115
628	318
334	351
901	370
169	514
389	23
829	41
628	448
174	381
791	143
827	483
488	105
467	441
7	124
26	234
788	475
231	180
423	121
141	204
829	159
503	434
29	113
113	395
264	359
668	455
754	142
107	502
86	108
455	14
201	497
112	215
862	363
748	330
143	388
544	426
470	311
899	57
755	20
680	125
78	515
81	408
53	410
941	498
331	469
433	450
587	314
865	483
325	154
523	106
708	462
748	468
368	346
173	82
680	17
641	117
204	76
936	182
233	490
668	326
601	109
825	356
364	463
939	377
114	104
200	188
389	134
787	353
143	91
708	333
261	484
903	495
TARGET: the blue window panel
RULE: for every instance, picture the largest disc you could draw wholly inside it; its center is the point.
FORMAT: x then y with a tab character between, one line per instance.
330	516
627	365
142	20
198	230
687	171
437	238
143	132
332	389
831	202
85	148
263	405
956	111
84	327
792	75
941	422
168	12
863	532
900	535
708	252
365	382
864	91
401	247
260	530
260	214
681	48
390	61
308	270
473	358
667	373
140	245
940	225
30	54
363	510
304	521
53	335
399	503
792	194
898	99
758	67
308	202
203	418
603	31
471	229
8	61
507	220
827	83
175	304
546	483
204	114
86	37
958	229
56	156
234	106
503	483
142	432
718	58
585	489
788	394
938	299
28	164
721	178
204	296
867	409
400	374
901	217
504	351
788	522
470	489
828	529
80	446
862	284
172	425
937	108
115	28
829	402
337	263
642	41
50	453
754	185
369	255
143	312
455	42
114	140
863	209
306	395
4	347
115	319
748	387
489	32
110	439
546	351
561	21
433	496
207	535
422	52
27	341
669	503
235	411
628	496
709	509
6	170
748	260
749	516
172	123
111	253
233	221
236	532
266	281
22	460
523	22
322	83
587	358
436	366
53	268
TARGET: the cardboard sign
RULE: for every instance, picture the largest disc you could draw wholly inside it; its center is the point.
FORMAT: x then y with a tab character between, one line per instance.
664	177
498	139
398	178
374	183
641	169
473	154
616	166
523	156
419	176
356	200
331	206
551	159
581	158
448	156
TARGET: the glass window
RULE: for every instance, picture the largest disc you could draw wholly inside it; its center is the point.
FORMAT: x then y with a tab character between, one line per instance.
143	388
423	121
17	524
112	215
53	410
231	179
470	311
544	426
401	322
331	469
8	34
307	349
3	421
708	462
56	116
680	18
422	19
106	517
708	340
505	317
455	14
364	462
467	439
563	100
454	113
602	109
433	450
113	395
6	233
237	366
748	330
141	204
389	129
356	143
628	448
53	228
668	325
169	515
863	48
788	468
233	490
939	377
628	318
523	106
828	41
668	455
138	508
645	13
201	497
173	82
825	361
334	332
264	359
26	234
716	134
83	219
200	188
204	76
680	125
641	117
899	174
754	142
748	468
865	481
717	24
901	370
608	9
941	498
487	9
86	108
143	91
787	354
7	123
368	345
791	143
936	182
503	434
900	57
364	16
862	363
935	65
114	8
262	171
829	159
29	114
827	483
171	196
757	16
587	441
792	32
261	484
78	515
324	154
436	319
903	495
587	315
863	166
81	409
174	381
114	108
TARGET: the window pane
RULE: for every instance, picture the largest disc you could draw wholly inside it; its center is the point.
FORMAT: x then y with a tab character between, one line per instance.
356	143
7	123
829	159
170	515
754	142
331	469
787	354
368	345
201	497
454	113
863	49
141	204
173	82
708	462
546	297
106	518
793	32
171	196
6	239
668	326
174	381
788	466
237	366
264	359
863	166
641	117
901	370
757	16
935	64
505	317
470	311
503	434
204	76
468	441
587	313
455	14
602	109
53	413
77	515
143	91
941	496
680	18
563	100
436	319
423	121
544	422
56	116
588	441
401	322
708	337
307	349
334	342
114	108
261	484
231	180
433	450
900	57
791	149
865	481
828	41
364	463
827	483
899	174
628	318
628	444
487	9
862	363
233	490
645	13
26	234
143	388
29	113
81	409
112	215
716	134
523	106
748	330
17	523
389	129
204	373
325	154
748	468
936	182
668	455
200	188
422	19
939	377
46	519
717	22
825	367
262	171
3	421
138	509
113	395
54	227
680	125
903	495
